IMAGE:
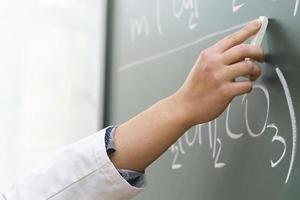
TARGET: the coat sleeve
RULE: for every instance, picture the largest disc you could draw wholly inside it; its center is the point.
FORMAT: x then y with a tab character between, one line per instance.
80	171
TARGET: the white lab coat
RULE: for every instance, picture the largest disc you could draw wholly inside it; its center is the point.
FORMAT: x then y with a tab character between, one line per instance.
80	171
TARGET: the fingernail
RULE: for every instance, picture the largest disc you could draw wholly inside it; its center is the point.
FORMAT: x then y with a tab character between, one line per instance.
256	23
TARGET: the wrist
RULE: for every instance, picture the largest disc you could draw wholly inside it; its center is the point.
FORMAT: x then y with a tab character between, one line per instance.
176	112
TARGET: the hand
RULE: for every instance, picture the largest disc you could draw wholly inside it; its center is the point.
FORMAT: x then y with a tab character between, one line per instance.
211	85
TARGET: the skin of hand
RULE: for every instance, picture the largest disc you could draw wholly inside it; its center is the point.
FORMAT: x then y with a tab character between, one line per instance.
206	93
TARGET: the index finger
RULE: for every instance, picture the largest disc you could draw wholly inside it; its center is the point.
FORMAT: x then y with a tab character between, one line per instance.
238	37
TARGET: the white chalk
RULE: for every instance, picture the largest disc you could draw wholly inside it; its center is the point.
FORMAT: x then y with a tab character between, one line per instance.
258	38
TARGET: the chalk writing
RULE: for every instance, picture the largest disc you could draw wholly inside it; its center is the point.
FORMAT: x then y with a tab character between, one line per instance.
158	19
175	165
139	27
136	63
215	142
296	7
277	138
187	5
228	131
292	117
216	163
235	6
266	93
142	26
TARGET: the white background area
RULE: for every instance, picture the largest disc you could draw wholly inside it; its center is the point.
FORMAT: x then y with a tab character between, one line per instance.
51	78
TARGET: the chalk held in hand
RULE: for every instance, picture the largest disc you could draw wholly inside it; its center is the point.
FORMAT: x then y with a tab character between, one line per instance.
258	38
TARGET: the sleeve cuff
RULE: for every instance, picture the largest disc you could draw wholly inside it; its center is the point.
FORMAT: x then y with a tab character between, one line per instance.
112	174
134	178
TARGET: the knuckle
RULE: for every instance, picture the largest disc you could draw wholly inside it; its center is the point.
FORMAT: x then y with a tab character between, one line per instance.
213	76
210	74
224	90
244	48
234	38
258	70
250	66
214	60
205	54
248	86
216	77
209	59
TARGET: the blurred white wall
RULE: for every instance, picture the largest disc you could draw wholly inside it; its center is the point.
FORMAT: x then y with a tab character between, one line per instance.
51	74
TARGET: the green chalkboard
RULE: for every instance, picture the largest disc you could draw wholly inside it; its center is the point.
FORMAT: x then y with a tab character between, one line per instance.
250	151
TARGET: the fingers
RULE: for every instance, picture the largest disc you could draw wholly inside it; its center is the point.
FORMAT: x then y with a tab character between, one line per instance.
238	37
244	68
241	52
256	73
240	88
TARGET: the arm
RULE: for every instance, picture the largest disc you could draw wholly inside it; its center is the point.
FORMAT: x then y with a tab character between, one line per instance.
84	171
206	93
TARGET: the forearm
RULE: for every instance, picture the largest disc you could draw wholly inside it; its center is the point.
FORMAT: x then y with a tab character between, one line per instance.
145	137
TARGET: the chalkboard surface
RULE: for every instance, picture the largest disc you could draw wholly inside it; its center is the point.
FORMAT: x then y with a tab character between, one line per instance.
250	151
